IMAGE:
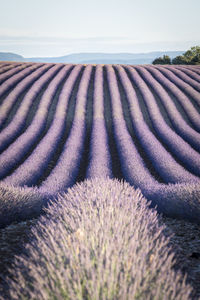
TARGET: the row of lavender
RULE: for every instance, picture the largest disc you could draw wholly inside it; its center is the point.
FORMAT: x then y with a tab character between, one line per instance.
167	126
100	240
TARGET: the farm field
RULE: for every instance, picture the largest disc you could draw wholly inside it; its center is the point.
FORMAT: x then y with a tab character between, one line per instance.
63	125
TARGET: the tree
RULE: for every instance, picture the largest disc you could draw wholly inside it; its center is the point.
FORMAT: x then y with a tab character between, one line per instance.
165	60
194	51
196	60
180	60
190	57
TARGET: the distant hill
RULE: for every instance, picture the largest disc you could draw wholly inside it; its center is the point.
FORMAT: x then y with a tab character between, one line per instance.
95	58
7	56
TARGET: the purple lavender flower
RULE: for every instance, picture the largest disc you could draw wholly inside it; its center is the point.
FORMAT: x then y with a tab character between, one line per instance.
12	97
100	240
100	161
183	100
18	74
65	172
187	88
176	145
32	168
179	124
22	145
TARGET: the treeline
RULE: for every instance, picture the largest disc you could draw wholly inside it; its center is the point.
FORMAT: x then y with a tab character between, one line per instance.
190	57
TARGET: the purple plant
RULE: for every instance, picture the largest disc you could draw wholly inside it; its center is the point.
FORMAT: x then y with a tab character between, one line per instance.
183	75
12	97
65	172
16	126
22	145
190	72
176	145
163	161
187	88
11	69
33	167
184	101
179	200
100	161
17	203
133	167
4	70
143	158
179	124
18	74
99	241
195	69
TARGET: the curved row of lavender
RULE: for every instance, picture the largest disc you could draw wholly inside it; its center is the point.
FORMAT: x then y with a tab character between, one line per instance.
65	172
177	146
63	123
15	127
100	160
187	71
12	97
16	150
9	69
98	241
183	84
179	124
5	68
181	99
35	164
15	76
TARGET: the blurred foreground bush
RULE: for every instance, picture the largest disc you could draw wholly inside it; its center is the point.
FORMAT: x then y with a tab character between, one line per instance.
100	240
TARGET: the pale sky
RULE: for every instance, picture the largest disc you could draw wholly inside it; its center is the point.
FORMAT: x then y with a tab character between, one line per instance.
59	27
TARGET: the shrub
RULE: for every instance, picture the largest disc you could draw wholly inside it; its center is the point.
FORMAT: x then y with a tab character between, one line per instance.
17	203
165	60
99	241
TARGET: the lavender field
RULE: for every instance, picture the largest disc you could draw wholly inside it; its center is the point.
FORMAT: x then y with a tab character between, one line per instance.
126	141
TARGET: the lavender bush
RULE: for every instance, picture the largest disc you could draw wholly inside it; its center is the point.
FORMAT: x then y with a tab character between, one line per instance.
183	100
24	70
50	156
163	161
176	145
195	69
100	161
182	74
179	124
190	72
4	70
33	167
12	70
180	200
133	167
17	203
11	99
99	241
65	172
187	88
10	132
22	145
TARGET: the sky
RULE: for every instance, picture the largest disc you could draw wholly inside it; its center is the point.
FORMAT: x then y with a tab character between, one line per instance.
59	27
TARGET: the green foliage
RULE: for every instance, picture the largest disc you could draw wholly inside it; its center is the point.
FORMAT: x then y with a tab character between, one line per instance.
165	60
193	54
180	60
190	57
